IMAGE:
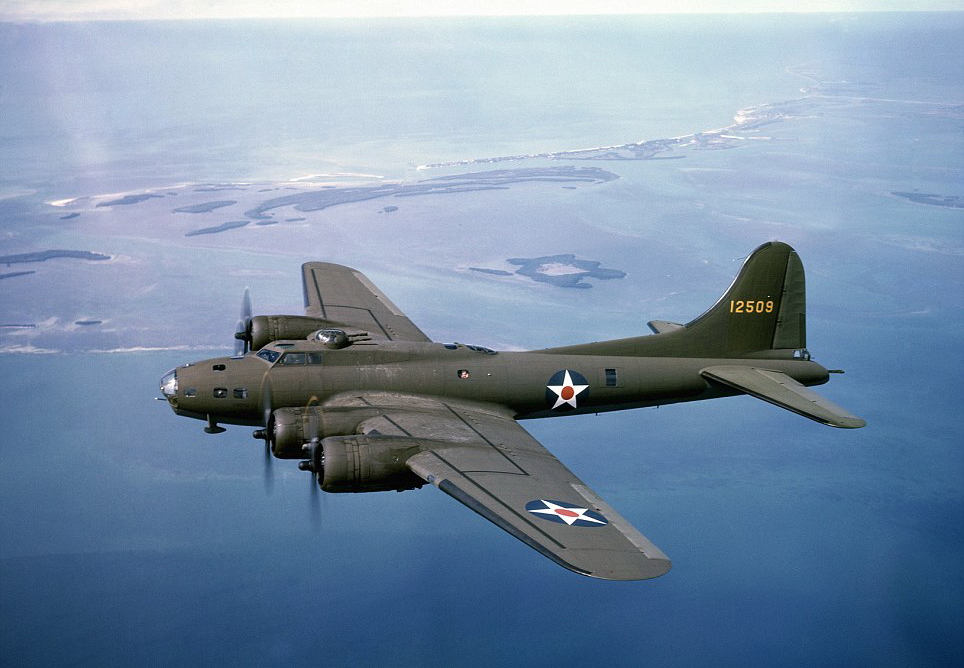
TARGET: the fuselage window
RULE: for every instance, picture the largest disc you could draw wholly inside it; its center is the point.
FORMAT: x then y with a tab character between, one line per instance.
269	355
220	392
240	393
190	392
218	367
315	358
293	359
611	378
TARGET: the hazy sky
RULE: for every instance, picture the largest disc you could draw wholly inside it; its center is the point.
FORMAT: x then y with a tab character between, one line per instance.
61	10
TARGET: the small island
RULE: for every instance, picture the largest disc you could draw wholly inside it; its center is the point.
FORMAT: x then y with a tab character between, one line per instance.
223	227
42	256
205	207
493	272
14	274
564	271
948	201
130	199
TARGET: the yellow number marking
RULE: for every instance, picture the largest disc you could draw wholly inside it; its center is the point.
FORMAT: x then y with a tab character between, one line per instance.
745	306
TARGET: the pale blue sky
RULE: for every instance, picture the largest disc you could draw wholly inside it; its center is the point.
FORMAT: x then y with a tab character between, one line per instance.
61	10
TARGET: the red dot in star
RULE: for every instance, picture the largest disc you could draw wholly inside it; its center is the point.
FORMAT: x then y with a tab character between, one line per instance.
567	392
566	512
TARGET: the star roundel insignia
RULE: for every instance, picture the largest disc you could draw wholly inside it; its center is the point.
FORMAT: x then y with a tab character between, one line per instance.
566	513
565	389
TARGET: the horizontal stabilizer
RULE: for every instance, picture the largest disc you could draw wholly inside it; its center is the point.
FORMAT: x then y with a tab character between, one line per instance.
662	326
783	391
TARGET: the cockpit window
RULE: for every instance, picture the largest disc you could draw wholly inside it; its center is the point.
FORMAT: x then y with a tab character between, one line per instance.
269	355
292	359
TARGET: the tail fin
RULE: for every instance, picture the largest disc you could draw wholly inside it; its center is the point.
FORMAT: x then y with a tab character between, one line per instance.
764	309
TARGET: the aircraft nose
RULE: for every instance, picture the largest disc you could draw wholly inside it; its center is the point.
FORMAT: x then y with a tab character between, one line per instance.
169	384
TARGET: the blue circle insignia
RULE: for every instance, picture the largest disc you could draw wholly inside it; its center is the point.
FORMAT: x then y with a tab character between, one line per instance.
566	513
566	389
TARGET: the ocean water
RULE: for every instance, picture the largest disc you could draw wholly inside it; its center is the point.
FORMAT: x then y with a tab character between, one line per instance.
127	536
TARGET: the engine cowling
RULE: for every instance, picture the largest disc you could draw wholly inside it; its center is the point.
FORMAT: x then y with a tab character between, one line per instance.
291	428
358	463
367	464
263	329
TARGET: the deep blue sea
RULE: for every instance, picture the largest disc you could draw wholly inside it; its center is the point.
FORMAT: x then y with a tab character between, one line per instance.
129	537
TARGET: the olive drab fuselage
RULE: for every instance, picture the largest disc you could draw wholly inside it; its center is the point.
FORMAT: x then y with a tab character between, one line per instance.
232	390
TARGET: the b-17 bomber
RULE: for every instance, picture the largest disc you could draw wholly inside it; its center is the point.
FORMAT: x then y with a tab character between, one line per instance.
367	402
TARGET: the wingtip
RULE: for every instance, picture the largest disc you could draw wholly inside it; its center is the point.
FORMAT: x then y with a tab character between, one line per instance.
647	570
851	422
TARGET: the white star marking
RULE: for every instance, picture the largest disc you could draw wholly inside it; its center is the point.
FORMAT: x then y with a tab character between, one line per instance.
567	515
567	393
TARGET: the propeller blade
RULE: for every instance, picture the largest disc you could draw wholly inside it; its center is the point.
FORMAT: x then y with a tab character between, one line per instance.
242	333
268	468
266	408
314	502
246	305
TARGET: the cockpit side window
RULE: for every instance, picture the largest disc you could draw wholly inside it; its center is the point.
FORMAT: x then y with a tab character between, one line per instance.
292	359
269	355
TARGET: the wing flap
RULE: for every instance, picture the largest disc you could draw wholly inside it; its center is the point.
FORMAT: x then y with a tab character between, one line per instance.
781	390
347	298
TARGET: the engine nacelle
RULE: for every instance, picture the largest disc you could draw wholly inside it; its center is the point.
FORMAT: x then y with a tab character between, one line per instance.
291	428
263	329
367	464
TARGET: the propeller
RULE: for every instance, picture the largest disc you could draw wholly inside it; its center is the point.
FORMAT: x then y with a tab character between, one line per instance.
315	464
267	433
242	333
314	507
268	468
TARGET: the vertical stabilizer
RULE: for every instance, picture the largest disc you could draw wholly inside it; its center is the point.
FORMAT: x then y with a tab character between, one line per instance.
764	309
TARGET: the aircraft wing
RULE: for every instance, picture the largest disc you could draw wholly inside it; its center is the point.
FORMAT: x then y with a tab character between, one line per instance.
351	302
481	457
